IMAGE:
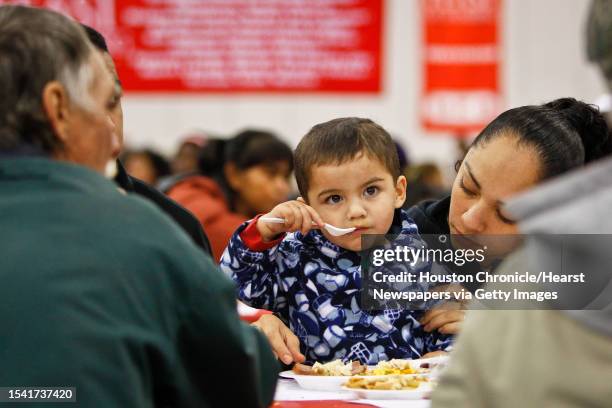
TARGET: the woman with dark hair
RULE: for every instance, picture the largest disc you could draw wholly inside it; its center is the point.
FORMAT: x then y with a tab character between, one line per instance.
239	178
520	148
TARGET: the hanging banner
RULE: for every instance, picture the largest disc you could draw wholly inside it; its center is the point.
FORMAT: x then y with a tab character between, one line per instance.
461	60
237	45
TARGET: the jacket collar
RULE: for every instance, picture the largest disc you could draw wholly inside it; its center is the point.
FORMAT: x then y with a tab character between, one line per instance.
26	150
123	179
49	170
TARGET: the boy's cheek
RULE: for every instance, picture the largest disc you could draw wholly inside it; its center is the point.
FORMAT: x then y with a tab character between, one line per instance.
331	217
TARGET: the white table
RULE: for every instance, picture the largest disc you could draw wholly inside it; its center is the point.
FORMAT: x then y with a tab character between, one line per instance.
289	390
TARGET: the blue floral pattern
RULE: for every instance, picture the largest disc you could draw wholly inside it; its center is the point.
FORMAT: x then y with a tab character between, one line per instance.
314	285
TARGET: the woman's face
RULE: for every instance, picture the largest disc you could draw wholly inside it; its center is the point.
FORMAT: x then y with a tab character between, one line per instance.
260	188
488	176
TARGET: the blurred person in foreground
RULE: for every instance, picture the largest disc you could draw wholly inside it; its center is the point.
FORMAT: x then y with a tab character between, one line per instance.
599	48
239	178
545	358
134	185
91	299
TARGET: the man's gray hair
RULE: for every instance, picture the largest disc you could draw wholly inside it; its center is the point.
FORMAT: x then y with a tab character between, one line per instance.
38	46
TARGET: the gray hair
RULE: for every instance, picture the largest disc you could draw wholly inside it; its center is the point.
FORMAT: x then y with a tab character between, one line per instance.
38	46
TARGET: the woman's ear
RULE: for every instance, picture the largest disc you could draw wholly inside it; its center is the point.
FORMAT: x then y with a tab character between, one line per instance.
400	191
233	176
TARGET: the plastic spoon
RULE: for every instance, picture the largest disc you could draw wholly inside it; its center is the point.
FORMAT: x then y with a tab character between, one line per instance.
335	231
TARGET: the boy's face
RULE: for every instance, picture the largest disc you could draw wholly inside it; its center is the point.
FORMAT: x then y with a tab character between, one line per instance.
359	193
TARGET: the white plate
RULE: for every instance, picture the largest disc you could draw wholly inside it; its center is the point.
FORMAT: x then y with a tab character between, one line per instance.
335	383
321	382
432	361
326	382
287	374
421	392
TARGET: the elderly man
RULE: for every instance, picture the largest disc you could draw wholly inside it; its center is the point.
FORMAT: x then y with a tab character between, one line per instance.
100	291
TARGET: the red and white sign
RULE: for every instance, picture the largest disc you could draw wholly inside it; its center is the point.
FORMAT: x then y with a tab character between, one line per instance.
238	45
461	58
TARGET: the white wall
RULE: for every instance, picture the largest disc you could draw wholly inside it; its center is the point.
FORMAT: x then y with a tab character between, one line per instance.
544	59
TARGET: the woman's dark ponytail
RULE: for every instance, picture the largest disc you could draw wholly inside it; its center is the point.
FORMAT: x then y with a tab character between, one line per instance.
565	133
590	125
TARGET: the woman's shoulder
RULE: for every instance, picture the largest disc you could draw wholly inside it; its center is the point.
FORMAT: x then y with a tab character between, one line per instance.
430	216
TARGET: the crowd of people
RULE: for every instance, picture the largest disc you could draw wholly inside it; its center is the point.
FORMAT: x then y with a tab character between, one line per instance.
121	270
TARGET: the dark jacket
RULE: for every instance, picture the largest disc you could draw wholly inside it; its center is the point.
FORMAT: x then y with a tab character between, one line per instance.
431	216
179	214
102	292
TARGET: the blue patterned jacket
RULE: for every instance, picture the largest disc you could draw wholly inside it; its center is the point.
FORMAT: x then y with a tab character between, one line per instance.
314	285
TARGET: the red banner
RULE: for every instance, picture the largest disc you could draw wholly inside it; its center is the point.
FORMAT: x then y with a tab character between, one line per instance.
237	45
461	58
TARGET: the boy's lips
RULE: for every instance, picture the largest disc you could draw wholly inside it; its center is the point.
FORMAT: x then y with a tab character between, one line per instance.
360	229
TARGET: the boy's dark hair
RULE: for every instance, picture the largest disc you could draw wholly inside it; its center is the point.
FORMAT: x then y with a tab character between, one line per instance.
340	140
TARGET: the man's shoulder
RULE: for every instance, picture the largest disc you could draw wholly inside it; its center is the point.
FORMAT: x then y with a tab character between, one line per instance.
183	217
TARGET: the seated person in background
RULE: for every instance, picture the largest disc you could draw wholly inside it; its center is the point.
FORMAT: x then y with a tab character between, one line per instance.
130	184
185	161
92	297
348	173
425	182
240	178
146	165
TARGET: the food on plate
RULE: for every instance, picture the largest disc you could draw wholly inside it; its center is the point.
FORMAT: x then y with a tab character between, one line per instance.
395	366
302	369
391	367
390	382
333	368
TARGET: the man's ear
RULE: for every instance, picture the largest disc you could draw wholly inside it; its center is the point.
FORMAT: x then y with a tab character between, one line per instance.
400	191
232	175
55	103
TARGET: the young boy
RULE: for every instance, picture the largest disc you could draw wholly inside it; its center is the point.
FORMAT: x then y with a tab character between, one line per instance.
348	174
